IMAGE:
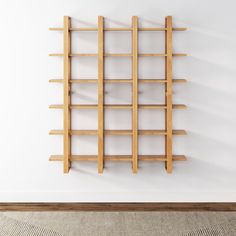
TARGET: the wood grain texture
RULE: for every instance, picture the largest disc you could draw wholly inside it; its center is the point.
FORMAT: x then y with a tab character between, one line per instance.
168	90
119	132
135	94
67	98
118	29
118	106
111	81
119	206
117	158
100	94
118	54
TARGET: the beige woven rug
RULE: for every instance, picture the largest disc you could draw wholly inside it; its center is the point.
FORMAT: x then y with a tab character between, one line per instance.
118	223
12	227
224	229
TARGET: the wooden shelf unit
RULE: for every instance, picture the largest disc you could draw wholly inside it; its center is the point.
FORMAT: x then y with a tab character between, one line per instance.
168	82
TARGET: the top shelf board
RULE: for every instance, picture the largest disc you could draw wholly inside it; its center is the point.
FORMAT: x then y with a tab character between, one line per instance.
118	29
116	54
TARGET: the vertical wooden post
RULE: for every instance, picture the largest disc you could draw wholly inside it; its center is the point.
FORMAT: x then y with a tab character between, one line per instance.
135	94
100	95
168	93
67	74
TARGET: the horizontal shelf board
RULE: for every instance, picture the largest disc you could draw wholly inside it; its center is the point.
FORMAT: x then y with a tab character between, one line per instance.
83	54
118	29
179	80
152	54
111	81
89	106
56	81
56	54
117	158
118	106
56	29
180	54
152	81
118	132
118	54
80	81
83	29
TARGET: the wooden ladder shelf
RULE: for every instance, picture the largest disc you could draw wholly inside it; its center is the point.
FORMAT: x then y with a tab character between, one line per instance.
67	106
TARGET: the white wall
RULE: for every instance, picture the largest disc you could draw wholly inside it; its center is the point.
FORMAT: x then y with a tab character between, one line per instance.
25	42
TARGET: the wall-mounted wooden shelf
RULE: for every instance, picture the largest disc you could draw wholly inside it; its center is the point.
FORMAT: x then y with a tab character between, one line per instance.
101	82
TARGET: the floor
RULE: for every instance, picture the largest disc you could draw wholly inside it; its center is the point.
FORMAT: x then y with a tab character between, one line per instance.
123	223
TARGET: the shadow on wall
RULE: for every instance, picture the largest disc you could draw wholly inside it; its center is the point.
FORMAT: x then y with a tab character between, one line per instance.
211	116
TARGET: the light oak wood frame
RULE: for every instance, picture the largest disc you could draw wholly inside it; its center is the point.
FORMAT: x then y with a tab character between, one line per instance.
100	95
67	96
168	81
168	93
135	94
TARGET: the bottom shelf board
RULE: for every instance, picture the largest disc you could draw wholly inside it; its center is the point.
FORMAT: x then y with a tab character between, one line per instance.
118	158
118	132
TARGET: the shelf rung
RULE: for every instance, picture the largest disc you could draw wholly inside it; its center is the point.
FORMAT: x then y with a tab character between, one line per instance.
179	106
179	29
117	158
161	29
74	132
144	81
83	29
83	132
80	81
105	29
161	158
83	54
56	29
152	132
179	132
56	106
111	81
152	29
56	54
117	54
180	54
106	55
179	80
118	132
83	106
56	80
56	132
117	29
160	54
152	54
118	106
